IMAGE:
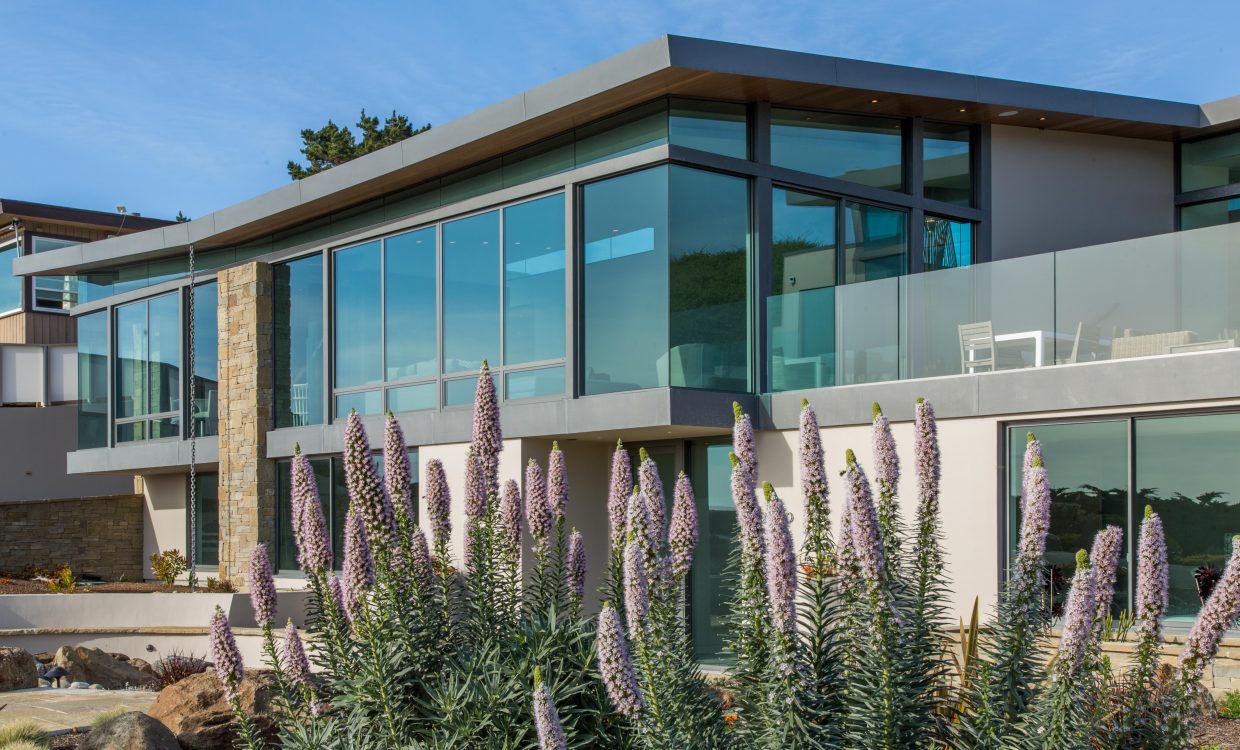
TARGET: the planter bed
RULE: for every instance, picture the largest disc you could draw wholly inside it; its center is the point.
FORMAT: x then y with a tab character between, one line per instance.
21	586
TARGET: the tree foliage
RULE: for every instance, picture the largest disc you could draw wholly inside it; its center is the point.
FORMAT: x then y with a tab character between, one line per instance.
332	145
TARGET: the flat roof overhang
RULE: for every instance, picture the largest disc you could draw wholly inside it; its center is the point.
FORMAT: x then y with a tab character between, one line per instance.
667	66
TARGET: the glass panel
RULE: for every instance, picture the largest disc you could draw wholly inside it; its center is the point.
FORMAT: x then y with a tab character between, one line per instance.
54	292
206	360
159	271
168	427
410	297
803	247
625	284
857	148
709	584
207	541
638	129
552	156
366	403
10	285
534	281
948	244
460	392
358	316
718	127
1210	163
43	244
286	547
131	431
299	342
709	321
92	365
415	200
483	178
91	287
875	242
471	292
165	355
945	163
413	397
548	381
131	358
867	332
1088	465
1186	470
1210	214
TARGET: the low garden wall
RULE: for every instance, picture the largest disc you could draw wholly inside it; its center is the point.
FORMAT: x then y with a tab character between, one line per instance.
96	535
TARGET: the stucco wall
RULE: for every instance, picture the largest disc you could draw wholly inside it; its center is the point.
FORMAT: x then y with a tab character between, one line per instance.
33	444
1053	190
164	522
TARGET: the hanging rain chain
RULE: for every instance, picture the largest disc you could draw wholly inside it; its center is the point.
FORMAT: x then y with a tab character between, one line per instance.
193	442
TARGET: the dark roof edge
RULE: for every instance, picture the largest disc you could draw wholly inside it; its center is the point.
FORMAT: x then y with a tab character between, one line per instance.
49	212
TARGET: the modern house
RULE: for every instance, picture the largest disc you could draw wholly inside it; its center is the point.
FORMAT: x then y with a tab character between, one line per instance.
49	517
637	245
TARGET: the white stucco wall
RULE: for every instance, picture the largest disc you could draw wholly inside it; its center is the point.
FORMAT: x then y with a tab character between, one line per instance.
163	516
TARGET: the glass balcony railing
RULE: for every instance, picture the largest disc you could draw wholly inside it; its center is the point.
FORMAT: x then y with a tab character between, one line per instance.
1166	294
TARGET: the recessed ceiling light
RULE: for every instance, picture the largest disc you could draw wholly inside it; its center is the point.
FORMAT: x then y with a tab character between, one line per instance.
962	109
1041	119
873	101
1009	113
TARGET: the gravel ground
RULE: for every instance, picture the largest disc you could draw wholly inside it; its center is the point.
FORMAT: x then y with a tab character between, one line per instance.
21	586
1223	733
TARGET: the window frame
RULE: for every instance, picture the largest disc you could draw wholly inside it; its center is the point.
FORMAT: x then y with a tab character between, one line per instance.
114	338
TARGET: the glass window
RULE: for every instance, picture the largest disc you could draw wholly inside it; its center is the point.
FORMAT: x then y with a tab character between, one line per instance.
1211	214
131	356
709	249
551	156
1212	162
206	360
365	403
549	381
1186	470
1088	465
471	292
636	130
410	297
53	292
460	392
10	285
358	316
92	287
709	588
875	242
803	230
857	148
948	243
207	517
946	170
413	397
625	283
148	367
718	127
92	347
534	281
483	178
299	342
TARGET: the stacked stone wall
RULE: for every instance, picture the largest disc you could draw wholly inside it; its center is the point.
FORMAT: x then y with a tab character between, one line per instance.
99	536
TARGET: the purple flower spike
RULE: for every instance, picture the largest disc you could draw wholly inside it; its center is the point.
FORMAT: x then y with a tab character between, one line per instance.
546	718
262	587
1033	457
475	487
652	488
682	536
488	438
537	511
640	527
866	539
886	460
420	564
1078	618
366	492
397	473
293	657
781	564
557	482
1104	559
615	664
1218	614
748	514
845	550
510	519
575	566
335	589
314	549
359	570
438	502
744	445
618	494
926	450
1035	519
636	590
225	655
813	465
1153	576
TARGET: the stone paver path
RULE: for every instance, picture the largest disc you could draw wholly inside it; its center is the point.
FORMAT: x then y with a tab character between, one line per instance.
66	708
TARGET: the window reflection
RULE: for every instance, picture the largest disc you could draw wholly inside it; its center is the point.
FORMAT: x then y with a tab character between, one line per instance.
92	346
947	243
711	472
946	170
858	148
410	296
1212	162
471	293
358	315
148	368
299	342
1210	214
875	242
206	379
534	281
10	285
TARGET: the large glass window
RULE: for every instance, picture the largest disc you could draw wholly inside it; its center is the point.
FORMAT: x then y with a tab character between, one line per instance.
471	292
10	285
534	281
410	298
148	369
875	242
358	312
1208	163
858	148
207	527
1214	213
718	127
92	346
946	171
299	342
206	384
635	130
947	243
53	292
709	589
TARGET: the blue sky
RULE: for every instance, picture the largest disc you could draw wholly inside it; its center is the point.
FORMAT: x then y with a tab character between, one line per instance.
168	107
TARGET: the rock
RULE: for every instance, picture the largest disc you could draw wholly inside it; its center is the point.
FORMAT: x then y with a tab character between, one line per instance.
131	731
17	670
44	683
79	685
195	711
118	656
44	657
97	686
91	665
142	665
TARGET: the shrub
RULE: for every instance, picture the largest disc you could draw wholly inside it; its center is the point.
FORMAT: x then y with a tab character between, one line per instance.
107	716
220	586
28	732
168	565
175	667
1229	707
62	581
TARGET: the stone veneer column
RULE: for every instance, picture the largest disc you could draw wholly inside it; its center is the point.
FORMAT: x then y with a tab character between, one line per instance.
247	478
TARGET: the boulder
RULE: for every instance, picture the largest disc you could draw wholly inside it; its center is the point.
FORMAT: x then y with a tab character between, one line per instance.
195	710
142	665
79	685
17	670
44	683
44	657
130	731
91	665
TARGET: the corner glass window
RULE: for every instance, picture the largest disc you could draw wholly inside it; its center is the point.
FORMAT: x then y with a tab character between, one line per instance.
92	367
858	148
628	132
947	243
946	169
717	127
10	285
206	384
299	342
1208	163
148	369
358	316
471	292
1211	214
875	242
534	281
410	294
